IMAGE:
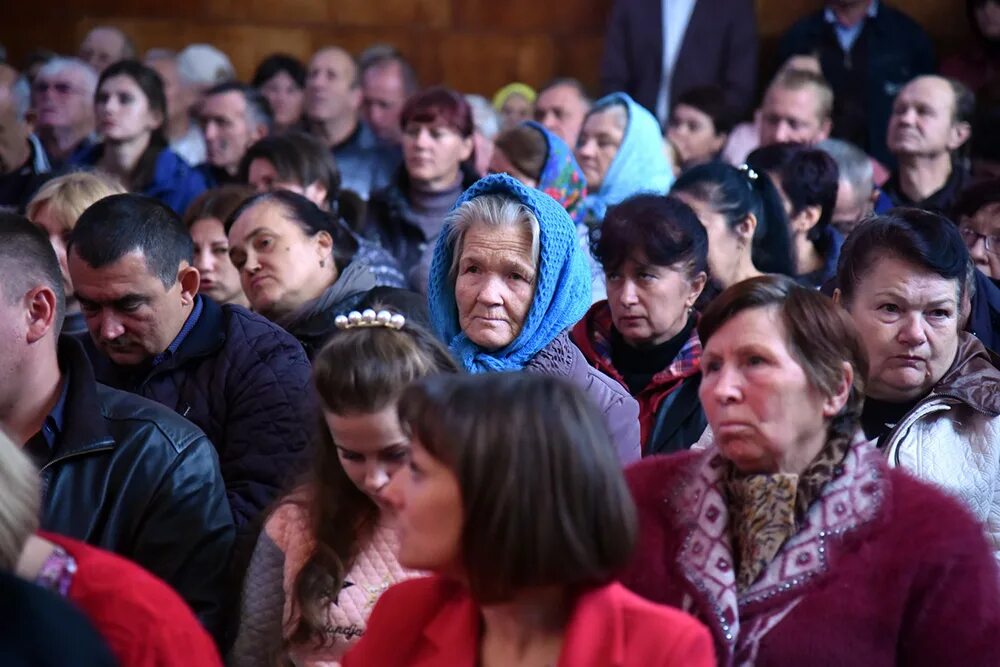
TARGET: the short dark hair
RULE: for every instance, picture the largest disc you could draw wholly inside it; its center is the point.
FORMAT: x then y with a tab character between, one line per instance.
543	496
298	158
821	336
570	82
922	238
808	176
380	55
27	260
121	224
258	108
275	64
218	203
711	101
663	228
975	198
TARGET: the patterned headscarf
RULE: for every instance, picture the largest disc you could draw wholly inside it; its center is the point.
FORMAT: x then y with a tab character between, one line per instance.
561	177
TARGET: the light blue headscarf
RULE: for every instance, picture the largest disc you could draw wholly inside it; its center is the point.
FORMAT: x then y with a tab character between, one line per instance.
640	164
562	287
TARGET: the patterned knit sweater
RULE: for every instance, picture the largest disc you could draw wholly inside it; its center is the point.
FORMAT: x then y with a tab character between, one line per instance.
268	613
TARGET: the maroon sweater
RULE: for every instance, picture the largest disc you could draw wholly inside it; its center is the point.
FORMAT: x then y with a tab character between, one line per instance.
884	570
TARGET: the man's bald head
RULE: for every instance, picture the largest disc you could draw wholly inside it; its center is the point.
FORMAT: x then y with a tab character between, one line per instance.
104	45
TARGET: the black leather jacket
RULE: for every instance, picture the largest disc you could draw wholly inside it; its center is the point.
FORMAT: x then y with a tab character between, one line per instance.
131	476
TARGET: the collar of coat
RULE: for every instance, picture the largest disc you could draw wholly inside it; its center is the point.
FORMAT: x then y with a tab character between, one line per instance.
974	377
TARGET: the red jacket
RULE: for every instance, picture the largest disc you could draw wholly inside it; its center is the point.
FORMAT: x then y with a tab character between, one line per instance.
432	622
144	622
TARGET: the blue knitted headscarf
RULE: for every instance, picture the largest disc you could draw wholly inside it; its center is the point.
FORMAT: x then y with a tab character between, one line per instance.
562	286
640	164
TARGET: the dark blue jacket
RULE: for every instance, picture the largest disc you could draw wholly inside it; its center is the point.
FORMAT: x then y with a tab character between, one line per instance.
984	320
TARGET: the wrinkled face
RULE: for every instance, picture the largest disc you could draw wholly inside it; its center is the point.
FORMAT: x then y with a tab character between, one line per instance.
693	134
286	98
228	130
131	316
122	110
792	116
383	94
433	154
499	164
724	247
981	233
279	264
329	93
58	233
428	501
649	303
176	94
219	278
101	48
600	139
371	447
921	123
765	414
851	208
62	100
516	109
909	320
561	110
988	18
495	284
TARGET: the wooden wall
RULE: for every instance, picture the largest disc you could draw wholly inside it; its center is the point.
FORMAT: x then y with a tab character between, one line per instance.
474	45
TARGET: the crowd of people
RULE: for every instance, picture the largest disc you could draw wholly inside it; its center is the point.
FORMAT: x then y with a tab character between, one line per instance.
337	368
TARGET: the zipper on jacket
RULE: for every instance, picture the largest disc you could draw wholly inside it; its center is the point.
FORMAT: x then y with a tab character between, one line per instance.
74	455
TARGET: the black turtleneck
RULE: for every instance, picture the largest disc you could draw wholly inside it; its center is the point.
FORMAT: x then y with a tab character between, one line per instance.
879	417
638	365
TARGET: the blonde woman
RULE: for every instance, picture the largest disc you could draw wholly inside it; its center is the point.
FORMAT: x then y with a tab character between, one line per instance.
55	208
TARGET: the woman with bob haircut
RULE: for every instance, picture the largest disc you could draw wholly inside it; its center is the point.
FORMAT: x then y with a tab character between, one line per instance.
933	393
328	549
654	252
790	536
507	282
142	619
55	208
281	79
522	572
205	221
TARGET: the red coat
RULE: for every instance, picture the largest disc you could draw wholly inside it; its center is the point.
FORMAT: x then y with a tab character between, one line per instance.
144	622
885	570
432	622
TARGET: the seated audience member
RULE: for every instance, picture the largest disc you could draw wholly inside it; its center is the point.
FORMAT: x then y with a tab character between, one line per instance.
300	268
143	621
130	107
541	160
806	179
654	252
241	379
23	162
180	128
486	127
976	64
299	163
699	125
745	221
62	98
55	208
797	108
406	217
930	123
34	61
205	221
933	391
790	513
867	50
105	45
118	471
561	106
329	548
522	573
515	104
387	81
281	79
856	191
978	216
507	281
202	66
233	116
333	114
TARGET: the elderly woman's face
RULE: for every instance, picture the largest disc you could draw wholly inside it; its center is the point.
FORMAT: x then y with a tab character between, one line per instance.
765	414
981	233
600	138
909	319
495	284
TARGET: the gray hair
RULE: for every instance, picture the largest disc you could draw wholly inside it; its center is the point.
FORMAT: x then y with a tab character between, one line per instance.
497	211
204	65
58	65
128	47
380	55
20	503
853	164
484	116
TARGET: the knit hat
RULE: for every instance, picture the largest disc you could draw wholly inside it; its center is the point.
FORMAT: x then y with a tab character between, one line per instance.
516	88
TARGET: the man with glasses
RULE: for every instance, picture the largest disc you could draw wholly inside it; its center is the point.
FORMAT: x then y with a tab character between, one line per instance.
63	99
977	213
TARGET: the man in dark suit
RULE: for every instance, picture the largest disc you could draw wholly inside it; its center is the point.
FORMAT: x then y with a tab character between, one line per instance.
656	50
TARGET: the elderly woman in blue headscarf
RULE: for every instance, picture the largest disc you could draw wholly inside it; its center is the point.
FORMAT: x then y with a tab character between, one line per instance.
507	282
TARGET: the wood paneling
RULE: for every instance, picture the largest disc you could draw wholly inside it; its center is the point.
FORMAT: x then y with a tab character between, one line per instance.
474	45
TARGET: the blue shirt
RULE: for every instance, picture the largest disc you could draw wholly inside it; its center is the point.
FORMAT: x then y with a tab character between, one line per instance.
847	35
42	444
182	334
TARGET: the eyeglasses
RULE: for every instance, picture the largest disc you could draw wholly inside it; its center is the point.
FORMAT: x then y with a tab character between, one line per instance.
59	88
971	238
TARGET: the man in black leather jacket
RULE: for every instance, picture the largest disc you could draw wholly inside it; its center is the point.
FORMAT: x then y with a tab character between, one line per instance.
118	471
